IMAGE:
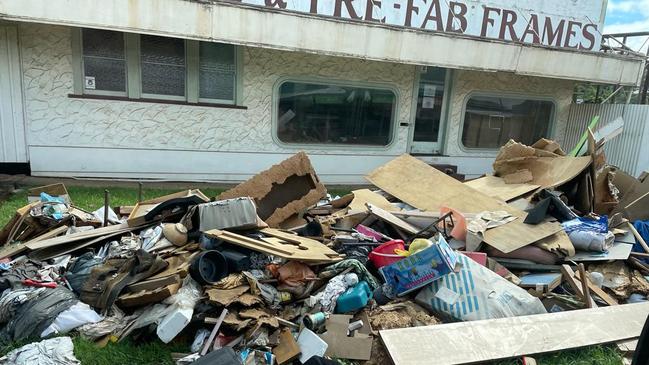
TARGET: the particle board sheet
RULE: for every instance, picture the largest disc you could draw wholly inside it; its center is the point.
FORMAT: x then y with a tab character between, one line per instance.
423	187
281	244
495	339
550	172
496	187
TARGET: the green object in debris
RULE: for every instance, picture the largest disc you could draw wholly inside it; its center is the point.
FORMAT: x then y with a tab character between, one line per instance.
582	141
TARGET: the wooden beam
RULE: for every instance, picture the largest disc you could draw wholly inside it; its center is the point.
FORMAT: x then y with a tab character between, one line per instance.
584	286
569	276
598	291
496	339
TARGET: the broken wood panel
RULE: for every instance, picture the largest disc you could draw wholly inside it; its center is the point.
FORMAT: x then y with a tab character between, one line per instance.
495	339
79	236
281	244
391	219
548	172
496	187
363	196
424	187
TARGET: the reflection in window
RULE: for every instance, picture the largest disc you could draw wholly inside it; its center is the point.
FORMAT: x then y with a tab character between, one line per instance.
104	61
310	113
490	122
163	65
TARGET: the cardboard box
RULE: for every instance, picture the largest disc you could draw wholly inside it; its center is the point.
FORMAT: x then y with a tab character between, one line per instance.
422	268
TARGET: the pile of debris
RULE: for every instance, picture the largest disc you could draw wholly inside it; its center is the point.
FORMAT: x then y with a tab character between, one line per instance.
276	271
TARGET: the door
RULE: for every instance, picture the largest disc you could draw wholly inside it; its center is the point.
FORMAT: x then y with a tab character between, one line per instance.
12	126
429	118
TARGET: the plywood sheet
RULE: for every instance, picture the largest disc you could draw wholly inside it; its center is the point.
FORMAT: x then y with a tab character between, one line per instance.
496	187
426	188
363	196
494	339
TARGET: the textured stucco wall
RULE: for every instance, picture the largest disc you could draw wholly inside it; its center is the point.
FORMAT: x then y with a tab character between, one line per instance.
467	82
55	119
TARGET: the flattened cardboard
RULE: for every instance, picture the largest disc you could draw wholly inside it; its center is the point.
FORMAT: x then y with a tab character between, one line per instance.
341	346
423	187
281	191
496	187
145	297
288	350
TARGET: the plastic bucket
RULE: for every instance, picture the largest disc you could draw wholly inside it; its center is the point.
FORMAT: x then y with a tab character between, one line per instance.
385	254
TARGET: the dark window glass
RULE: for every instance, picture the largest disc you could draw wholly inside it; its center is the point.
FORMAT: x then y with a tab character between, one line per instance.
217	71
429	104
163	65
490	122
310	113
104	62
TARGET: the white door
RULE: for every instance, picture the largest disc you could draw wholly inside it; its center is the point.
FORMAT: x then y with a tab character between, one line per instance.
429	112
12	126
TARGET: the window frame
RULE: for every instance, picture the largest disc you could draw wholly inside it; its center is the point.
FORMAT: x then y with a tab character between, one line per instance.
83	74
134	73
500	94
335	82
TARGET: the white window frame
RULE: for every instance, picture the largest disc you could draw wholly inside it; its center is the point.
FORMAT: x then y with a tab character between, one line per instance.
335	146
134	73
103	92
520	96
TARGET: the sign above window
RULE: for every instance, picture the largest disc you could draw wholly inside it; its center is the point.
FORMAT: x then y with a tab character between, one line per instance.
566	24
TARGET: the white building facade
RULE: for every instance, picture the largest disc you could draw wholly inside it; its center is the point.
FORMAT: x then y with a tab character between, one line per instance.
218	90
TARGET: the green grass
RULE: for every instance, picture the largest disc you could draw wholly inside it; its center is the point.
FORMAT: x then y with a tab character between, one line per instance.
156	352
92	198
596	355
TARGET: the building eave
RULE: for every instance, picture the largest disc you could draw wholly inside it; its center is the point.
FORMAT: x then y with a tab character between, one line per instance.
260	27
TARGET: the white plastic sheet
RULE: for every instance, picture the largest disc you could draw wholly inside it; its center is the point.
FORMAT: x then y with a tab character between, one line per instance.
76	316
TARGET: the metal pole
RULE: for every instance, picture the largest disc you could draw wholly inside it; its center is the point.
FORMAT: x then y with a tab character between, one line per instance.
106	206
139	192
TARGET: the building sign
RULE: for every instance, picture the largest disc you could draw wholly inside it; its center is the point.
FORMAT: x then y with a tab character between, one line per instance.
557	23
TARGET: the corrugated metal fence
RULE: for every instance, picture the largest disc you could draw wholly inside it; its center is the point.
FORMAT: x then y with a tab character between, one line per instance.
626	151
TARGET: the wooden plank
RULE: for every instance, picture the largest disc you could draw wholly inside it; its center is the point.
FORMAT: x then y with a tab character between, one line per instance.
426	188
569	276
288	350
78	236
49	234
599	292
496	187
584	286
495	339
390	218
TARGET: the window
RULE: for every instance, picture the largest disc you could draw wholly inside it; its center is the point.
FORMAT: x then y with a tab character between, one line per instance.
152	67
314	113
490	121
104	61
217	71
163	65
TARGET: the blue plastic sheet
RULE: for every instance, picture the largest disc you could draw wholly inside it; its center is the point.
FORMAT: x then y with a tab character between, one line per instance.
586	224
643	228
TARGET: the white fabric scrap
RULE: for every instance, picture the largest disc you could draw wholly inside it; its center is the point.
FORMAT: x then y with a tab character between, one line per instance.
55	351
76	316
334	289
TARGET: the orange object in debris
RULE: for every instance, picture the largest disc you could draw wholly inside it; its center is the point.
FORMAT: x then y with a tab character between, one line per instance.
459	223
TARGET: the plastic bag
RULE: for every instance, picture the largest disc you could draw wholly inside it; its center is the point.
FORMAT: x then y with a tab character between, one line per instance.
76	316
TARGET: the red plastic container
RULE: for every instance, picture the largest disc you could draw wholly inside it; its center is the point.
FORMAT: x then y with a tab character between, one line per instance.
385	254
